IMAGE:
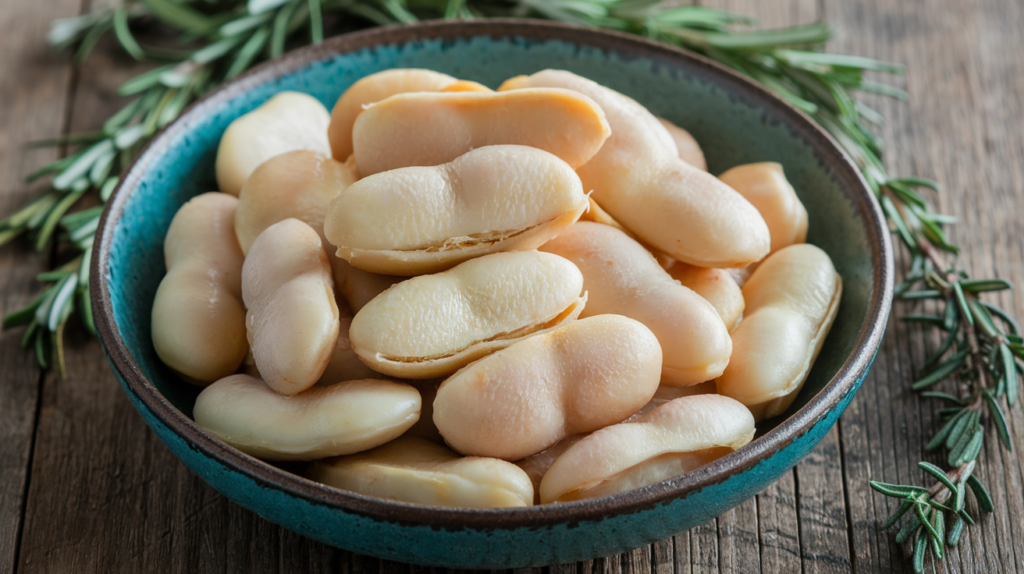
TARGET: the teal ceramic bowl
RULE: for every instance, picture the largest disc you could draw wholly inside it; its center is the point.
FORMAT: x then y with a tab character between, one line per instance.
734	120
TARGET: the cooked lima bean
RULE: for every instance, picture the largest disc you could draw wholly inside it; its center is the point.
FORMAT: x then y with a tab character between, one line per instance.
638	178
576	379
428	128
715	285
414	470
286	122
293	317
319	422
688	148
417	220
792	299
198	321
675	438
766	187
432	325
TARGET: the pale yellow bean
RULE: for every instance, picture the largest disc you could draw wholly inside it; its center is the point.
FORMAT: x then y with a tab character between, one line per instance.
426	128
417	220
286	122
414	470
576	379
674	439
299	184
715	285
792	299
686	144
293	317
319	422
432	325
638	178
198	320
622	277
372	89
766	187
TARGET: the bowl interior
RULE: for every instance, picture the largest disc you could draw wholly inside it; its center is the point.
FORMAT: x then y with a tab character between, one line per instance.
732	126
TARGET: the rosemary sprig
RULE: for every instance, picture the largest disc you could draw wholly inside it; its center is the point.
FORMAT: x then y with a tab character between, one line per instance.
218	40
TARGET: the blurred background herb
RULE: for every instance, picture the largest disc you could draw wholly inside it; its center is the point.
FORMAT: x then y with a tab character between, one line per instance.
197	44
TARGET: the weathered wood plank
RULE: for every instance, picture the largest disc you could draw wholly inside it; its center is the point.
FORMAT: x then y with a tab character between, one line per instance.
957	52
35	86
824	546
738	546
778	526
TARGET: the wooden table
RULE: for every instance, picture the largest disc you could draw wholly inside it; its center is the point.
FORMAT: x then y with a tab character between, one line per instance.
86	487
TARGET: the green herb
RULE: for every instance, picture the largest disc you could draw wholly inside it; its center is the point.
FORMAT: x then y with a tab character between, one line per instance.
219	40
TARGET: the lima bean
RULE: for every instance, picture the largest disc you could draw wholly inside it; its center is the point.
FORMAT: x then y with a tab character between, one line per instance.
293	317
638	178
673	439
286	122
414	470
372	89
319	422
416	220
792	299
715	285
198	320
766	187
578	378
432	325
433	128
687	146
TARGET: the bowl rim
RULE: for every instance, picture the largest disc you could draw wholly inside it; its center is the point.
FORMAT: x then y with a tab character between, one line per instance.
757	451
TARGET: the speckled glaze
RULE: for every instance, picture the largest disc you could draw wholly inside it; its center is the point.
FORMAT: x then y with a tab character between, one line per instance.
734	120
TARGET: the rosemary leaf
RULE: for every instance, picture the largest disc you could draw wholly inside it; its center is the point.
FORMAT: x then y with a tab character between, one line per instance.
998	419
896	490
953	538
980	494
942	371
902	510
938	474
962	301
943	434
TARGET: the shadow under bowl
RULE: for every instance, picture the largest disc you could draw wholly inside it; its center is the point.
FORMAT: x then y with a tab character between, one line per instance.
736	122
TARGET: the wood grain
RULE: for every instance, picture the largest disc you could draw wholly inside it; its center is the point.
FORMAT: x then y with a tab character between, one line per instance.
104	495
35	89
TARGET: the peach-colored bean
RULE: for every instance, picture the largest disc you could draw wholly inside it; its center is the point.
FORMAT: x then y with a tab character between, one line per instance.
715	285
372	89
689	149
766	187
430	128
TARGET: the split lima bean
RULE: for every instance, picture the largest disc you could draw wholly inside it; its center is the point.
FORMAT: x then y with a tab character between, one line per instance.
792	299
432	325
343	418
673	439
286	122
433	128
638	178
410	469
578	378
416	220
198	320
293	317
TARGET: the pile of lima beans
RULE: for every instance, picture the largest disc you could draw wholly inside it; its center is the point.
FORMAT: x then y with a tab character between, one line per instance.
453	296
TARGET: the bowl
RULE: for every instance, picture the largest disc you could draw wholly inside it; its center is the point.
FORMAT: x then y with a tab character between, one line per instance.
735	120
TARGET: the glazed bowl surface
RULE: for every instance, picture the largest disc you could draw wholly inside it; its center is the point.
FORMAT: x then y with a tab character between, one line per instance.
735	122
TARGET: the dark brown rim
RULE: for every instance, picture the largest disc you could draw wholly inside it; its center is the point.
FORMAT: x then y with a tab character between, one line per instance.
746	458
